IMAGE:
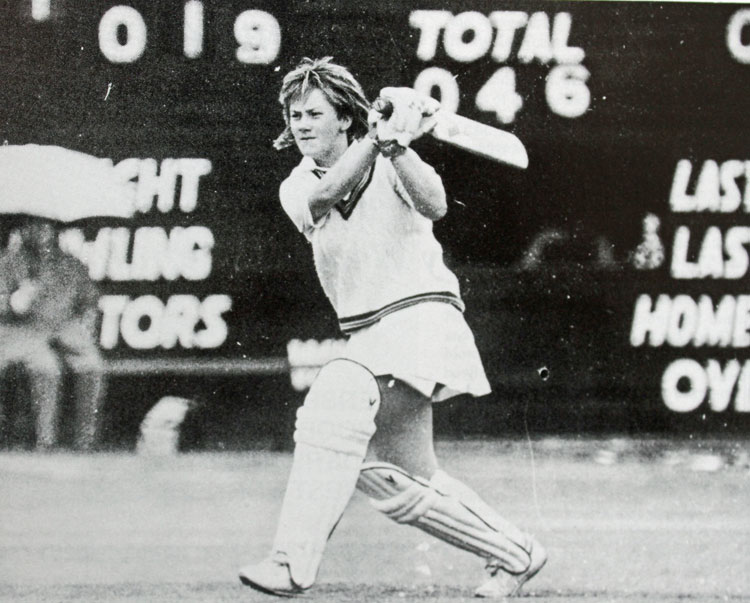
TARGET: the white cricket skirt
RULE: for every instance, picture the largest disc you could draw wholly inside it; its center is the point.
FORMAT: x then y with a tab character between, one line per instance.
427	345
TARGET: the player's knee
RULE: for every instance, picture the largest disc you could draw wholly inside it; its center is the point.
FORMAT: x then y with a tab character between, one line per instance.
395	493
340	408
88	364
409	505
44	365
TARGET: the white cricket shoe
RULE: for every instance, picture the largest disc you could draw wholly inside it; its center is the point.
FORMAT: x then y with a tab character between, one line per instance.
271	576
502	584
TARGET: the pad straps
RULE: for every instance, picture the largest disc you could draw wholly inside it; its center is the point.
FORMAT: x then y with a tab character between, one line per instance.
447	509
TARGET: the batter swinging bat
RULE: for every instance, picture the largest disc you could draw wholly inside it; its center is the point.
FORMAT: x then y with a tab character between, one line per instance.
473	136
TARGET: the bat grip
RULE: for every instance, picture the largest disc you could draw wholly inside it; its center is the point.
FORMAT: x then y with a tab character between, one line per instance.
384	107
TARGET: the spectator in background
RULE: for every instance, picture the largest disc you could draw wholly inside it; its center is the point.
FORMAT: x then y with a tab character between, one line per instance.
48	312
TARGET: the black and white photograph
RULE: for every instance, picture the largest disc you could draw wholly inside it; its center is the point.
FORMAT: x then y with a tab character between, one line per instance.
391	301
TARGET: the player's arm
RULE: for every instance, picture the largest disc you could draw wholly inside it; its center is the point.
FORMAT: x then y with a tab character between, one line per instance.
422	183
85	309
17	291
342	177
399	117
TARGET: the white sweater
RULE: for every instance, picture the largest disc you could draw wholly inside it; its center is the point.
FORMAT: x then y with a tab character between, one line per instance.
374	253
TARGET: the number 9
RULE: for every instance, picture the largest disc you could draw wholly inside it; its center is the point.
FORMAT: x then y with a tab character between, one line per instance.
259	36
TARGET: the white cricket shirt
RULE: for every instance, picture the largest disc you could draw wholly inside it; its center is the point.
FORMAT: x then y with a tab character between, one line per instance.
374	252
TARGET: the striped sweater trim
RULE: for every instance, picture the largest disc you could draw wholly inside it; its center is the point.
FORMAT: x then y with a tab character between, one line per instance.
346	206
349	324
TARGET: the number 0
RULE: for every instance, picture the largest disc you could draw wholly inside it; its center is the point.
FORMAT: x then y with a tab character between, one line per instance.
443	80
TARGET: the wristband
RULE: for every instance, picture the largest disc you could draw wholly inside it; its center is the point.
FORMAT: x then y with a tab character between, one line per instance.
388	148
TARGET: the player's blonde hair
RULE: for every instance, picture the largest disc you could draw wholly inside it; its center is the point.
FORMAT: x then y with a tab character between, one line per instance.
336	83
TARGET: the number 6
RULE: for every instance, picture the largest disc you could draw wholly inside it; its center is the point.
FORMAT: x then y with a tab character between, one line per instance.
566	91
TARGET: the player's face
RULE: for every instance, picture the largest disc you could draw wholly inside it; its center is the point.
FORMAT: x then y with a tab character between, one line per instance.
317	129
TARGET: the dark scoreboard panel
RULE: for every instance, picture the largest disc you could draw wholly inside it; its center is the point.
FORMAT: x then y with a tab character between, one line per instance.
616	263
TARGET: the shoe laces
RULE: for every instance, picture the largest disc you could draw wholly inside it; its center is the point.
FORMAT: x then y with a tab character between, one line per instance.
280	558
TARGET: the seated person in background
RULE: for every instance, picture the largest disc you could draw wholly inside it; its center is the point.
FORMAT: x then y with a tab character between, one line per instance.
48	311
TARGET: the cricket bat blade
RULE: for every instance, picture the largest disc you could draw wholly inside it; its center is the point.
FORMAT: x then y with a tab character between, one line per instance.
480	139
472	136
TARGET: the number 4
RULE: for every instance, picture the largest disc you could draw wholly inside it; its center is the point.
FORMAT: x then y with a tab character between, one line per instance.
499	95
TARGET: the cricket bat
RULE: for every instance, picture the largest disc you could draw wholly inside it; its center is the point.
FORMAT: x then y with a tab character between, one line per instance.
472	136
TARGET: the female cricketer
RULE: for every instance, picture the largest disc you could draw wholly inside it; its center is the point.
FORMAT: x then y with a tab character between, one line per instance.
366	202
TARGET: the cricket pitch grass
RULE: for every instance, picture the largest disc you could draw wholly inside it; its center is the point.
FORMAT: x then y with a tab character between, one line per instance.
623	520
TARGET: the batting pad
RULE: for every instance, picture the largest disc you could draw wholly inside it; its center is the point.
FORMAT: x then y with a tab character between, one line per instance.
448	510
333	430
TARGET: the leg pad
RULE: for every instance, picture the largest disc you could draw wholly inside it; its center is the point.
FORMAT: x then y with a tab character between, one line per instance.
445	515
333	429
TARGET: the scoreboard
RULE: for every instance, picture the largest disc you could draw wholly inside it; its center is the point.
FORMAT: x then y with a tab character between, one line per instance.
617	262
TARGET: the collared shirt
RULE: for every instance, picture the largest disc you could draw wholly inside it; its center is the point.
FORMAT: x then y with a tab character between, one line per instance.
374	252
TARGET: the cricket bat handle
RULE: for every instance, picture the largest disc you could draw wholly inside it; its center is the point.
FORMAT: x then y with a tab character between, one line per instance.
384	107
472	136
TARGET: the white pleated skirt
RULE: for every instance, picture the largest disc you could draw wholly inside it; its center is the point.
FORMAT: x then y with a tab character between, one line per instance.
428	345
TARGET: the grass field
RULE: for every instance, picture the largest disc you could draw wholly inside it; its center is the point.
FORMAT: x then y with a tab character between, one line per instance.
623	520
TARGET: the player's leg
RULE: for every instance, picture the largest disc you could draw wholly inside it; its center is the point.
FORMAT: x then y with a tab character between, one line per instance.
333	429
504	578
87	367
452	512
409	488
404	436
5	412
5	379
45	376
89	392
